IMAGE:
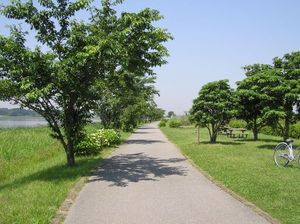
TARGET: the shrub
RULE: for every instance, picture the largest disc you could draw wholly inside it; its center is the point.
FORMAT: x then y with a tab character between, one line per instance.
185	121
295	130
162	123
87	147
235	123
174	123
94	142
109	137
106	137
268	130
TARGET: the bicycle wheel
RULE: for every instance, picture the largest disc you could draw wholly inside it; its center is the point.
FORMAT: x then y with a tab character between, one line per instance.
281	154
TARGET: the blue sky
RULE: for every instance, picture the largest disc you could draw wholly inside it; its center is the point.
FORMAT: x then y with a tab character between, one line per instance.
214	39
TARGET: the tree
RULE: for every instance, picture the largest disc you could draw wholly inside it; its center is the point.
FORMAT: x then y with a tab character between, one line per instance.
60	84
269	94
213	107
125	104
253	102
154	113
171	114
287	90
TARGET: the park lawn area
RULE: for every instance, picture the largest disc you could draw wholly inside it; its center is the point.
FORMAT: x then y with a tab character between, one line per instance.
245	167
34	178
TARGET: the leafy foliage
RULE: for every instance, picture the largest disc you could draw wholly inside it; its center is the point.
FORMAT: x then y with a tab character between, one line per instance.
214	107
235	123
63	84
162	123
253	101
94	142
174	123
286	91
184	120
171	114
295	130
269	94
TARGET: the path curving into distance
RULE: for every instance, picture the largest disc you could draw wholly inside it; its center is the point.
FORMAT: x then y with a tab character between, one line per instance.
148	181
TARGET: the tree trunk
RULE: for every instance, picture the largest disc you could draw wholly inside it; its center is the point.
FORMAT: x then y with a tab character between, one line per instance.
286	129
213	137
255	130
71	158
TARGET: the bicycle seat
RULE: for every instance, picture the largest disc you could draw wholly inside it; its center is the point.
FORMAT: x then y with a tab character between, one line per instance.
289	141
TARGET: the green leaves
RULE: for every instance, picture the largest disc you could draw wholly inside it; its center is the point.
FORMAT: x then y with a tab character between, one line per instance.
214	106
108	60
269	93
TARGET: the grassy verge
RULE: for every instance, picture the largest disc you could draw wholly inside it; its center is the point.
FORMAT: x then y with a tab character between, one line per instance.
34	179
246	167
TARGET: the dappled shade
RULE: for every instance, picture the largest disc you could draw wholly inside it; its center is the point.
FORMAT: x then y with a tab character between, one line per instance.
125	169
143	141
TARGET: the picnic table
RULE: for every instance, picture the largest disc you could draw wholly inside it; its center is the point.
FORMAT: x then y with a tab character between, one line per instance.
237	133
233	132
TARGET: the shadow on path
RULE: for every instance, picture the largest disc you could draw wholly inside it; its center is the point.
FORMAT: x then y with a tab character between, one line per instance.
145	128
143	141
142	132
131	168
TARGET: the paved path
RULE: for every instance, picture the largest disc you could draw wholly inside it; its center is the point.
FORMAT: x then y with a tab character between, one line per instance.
148	181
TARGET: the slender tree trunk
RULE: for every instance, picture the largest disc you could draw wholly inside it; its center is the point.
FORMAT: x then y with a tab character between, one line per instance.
198	135
286	129
72	129
70	155
213	137
255	130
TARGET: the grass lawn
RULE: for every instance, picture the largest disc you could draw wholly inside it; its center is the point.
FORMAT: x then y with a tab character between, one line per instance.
247	168
34	179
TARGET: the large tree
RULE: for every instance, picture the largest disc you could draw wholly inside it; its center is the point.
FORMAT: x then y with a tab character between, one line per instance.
253	102
286	90
270	94
213	107
60	84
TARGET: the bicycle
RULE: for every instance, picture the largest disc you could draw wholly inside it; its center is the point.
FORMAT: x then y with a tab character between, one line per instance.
284	153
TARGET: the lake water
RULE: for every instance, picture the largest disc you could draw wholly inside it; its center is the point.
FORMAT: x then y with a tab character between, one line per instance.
20	121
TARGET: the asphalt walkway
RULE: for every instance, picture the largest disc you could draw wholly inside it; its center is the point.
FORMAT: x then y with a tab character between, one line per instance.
148	181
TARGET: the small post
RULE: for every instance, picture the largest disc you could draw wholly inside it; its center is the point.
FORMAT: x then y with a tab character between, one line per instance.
198	134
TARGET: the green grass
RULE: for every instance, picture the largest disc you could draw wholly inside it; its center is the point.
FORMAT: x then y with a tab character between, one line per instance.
34	179
247	168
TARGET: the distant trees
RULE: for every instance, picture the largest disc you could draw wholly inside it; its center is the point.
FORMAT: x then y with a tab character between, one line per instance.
213	107
171	114
62	85
154	113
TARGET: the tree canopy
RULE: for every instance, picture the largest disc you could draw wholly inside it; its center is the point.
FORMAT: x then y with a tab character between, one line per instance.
253	101
213	107
270	93
62	83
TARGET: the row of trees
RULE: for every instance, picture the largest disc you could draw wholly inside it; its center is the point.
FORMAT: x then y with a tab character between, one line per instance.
269	95
104	64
